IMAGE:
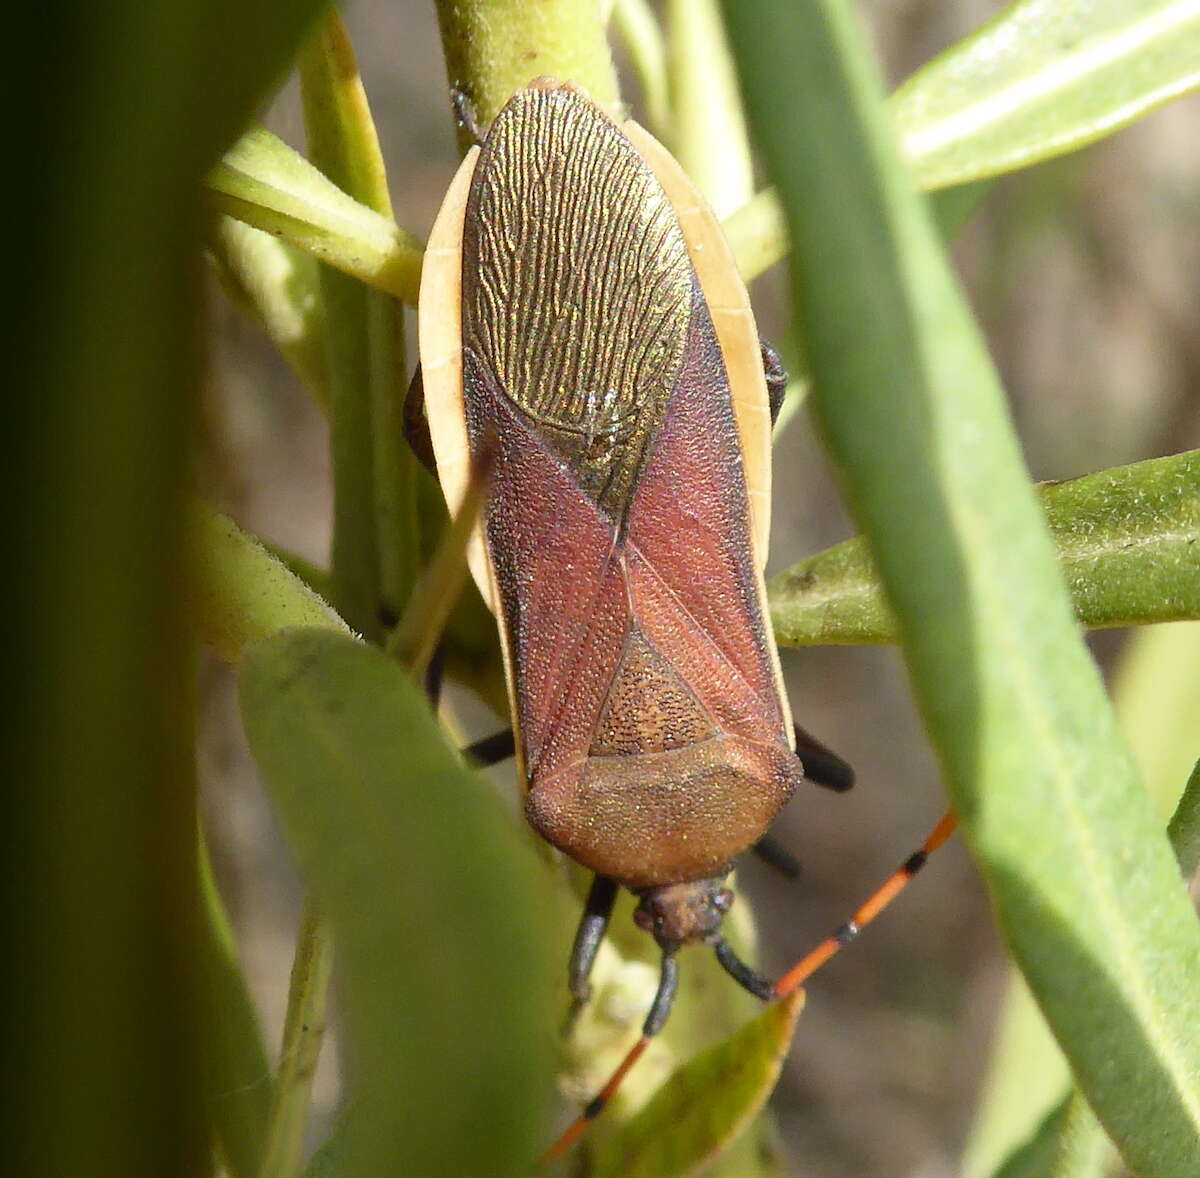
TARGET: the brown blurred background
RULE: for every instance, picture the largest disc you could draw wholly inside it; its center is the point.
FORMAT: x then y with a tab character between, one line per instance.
1084	273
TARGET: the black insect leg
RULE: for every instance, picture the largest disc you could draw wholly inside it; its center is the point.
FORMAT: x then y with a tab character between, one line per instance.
659	1009
822	766
434	674
596	911
777	377
491	750
775	854
416	424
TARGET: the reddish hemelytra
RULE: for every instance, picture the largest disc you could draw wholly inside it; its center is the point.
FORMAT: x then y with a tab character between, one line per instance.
566	314
581	317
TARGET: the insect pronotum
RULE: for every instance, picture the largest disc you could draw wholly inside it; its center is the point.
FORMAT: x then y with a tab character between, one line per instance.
582	318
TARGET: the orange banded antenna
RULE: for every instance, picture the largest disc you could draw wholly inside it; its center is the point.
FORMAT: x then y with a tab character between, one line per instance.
787	984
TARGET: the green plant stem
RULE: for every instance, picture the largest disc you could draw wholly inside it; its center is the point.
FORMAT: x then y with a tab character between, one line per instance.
303	1031
276	284
637	25
416	634
708	136
343	140
375	540
240	1084
494	47
397	522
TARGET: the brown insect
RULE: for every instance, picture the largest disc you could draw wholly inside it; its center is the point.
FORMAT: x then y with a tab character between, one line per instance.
581	318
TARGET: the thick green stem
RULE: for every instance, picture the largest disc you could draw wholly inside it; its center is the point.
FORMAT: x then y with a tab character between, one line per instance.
635	22
494	47
375	543
709	136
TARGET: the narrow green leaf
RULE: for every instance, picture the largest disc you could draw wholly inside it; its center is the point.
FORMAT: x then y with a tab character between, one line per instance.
266	184
238	591
1081	876
1184	831
436	903
708	134
276	283
1156	690
705	1104
1044	78
1068	1144
106	1020
1128	540
636	24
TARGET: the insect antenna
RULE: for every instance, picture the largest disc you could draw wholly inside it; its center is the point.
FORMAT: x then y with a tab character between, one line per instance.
659	1009
750	980
873	906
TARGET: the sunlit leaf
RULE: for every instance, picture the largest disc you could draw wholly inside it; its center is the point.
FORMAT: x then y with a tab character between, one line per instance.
433	895
1128	540
1045	77
266	184
1082	879
705	1104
